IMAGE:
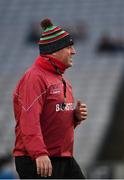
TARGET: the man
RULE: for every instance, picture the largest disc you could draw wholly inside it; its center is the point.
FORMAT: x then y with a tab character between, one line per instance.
44	112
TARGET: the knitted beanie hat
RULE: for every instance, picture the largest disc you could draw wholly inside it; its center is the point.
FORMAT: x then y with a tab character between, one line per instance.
53	38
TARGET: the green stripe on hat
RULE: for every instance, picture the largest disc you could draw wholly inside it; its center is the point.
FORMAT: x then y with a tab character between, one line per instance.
50	28
53	36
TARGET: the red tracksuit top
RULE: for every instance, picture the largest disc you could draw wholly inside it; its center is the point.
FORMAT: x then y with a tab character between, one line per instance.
42	126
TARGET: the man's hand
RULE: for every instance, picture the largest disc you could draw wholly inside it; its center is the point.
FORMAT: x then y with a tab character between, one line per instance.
81	111
44	166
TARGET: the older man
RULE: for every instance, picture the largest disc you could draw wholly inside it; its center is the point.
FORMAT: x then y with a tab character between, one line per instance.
44	111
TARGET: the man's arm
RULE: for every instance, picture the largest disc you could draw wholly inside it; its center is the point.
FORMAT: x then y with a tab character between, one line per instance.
32	100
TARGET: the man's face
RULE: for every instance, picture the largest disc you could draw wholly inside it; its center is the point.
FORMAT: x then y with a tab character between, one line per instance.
65	55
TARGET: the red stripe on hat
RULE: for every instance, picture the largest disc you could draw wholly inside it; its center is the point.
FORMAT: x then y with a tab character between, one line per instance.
53	39
52	33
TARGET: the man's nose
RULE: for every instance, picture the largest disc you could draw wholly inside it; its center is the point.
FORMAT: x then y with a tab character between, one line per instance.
73	51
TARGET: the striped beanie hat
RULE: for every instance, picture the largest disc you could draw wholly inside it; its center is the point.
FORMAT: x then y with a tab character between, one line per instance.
53	38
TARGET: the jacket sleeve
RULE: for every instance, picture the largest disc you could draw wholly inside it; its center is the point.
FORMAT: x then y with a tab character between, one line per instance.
32	96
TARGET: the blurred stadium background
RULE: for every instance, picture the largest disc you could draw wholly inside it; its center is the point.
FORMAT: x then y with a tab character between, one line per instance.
97	75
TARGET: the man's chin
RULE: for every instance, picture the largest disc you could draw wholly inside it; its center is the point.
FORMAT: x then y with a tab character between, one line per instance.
70	65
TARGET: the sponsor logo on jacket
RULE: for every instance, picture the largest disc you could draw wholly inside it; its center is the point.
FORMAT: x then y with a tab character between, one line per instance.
68	107
55	90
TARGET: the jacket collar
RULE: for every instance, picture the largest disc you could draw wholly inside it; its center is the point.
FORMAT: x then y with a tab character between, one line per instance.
45	63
